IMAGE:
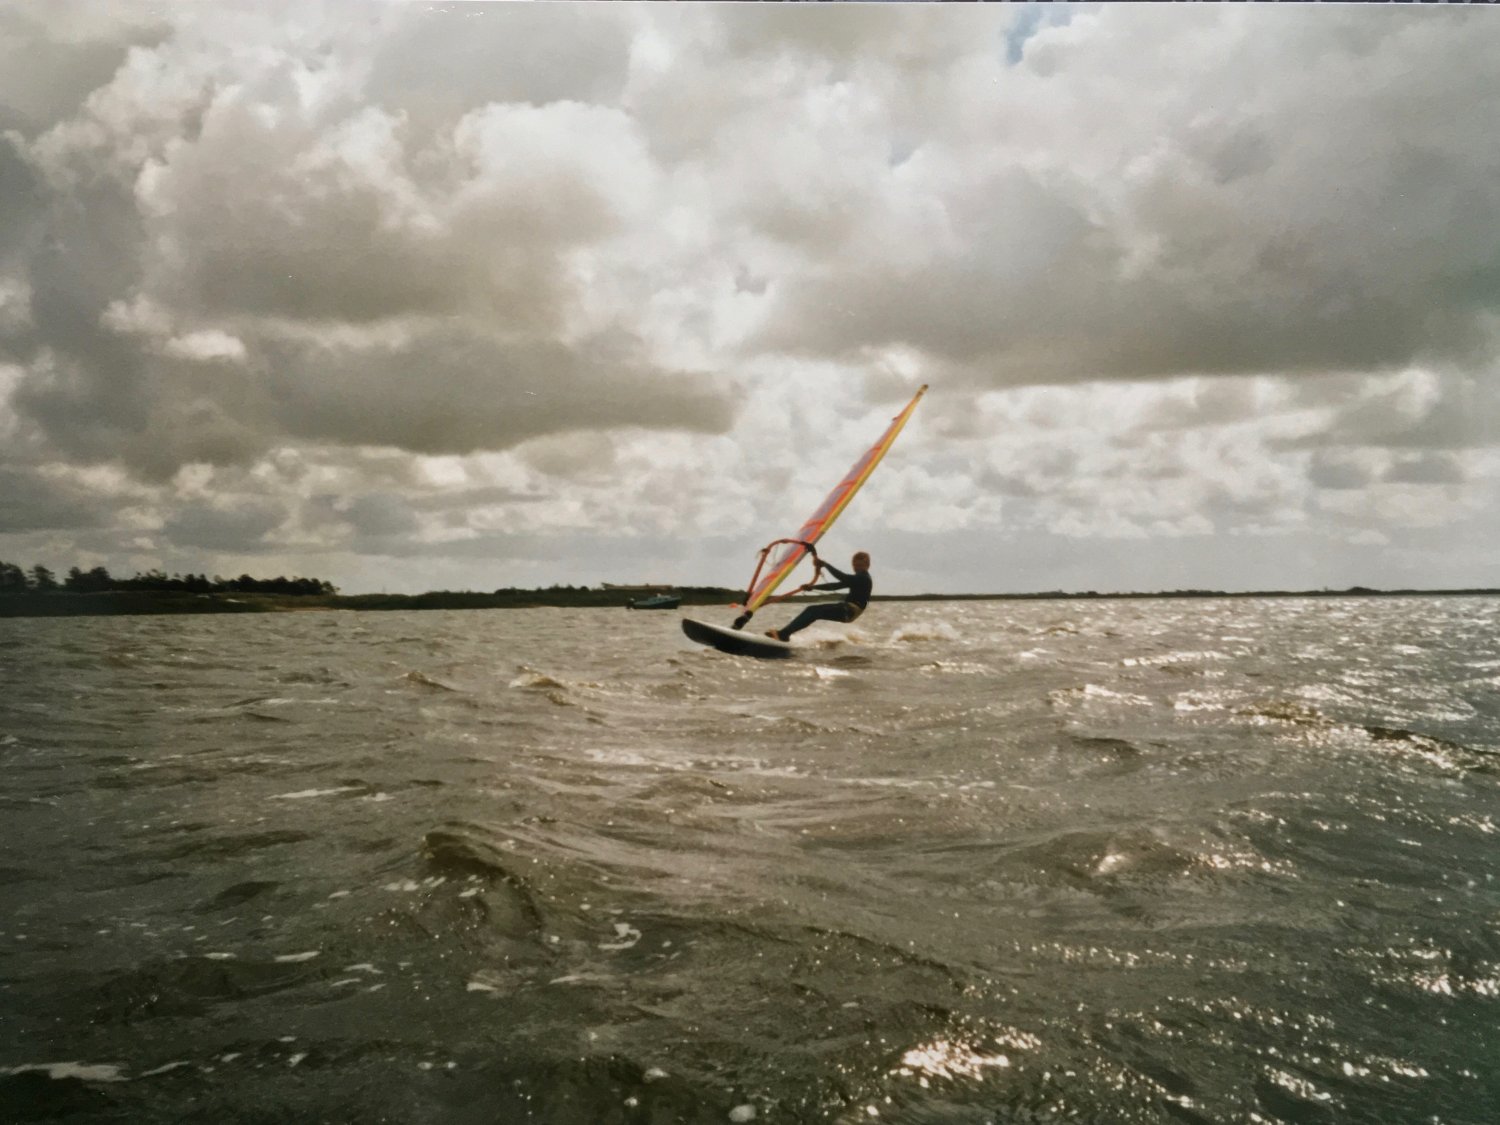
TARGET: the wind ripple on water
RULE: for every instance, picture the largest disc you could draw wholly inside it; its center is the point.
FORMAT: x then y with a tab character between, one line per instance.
1108	861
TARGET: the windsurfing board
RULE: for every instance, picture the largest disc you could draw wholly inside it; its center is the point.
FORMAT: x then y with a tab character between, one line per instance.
740	642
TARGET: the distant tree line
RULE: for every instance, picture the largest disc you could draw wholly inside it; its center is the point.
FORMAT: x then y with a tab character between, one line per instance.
38	579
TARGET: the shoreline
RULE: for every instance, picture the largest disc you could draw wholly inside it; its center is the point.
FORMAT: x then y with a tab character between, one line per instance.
121	603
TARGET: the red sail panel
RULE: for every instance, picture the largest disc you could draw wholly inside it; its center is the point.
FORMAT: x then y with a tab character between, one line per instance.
786	557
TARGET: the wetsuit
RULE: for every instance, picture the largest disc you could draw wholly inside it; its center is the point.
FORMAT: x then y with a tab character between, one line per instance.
859	586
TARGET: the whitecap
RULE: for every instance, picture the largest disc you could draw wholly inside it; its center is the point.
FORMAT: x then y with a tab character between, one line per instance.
627	934
925	631
1100	694
163	1069
957	667
306	794
1173	658
1201	701
425	681
531	678
84	1072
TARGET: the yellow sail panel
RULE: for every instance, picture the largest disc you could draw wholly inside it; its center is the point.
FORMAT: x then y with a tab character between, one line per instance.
789	554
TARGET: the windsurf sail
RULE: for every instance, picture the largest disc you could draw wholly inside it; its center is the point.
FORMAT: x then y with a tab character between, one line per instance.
781	557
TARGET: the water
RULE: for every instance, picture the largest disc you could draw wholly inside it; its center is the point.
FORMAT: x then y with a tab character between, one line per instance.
1130	861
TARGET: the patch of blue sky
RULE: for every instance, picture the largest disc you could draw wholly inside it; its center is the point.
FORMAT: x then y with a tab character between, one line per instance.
1034	18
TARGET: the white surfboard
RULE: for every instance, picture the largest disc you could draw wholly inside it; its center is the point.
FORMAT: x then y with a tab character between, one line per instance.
740	642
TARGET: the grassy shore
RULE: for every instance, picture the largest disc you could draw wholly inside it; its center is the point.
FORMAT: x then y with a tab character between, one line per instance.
129	602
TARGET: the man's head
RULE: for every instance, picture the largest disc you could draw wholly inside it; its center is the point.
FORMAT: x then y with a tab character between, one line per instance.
861	560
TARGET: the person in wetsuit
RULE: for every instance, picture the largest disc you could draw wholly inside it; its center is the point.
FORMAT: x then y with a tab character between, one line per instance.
858	585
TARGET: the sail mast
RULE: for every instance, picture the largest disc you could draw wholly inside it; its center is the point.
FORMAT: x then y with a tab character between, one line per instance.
772	573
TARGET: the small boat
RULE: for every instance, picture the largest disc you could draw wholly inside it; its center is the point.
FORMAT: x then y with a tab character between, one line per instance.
657	601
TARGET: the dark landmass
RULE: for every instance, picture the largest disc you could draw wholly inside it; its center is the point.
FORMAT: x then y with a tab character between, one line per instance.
118	602
1061	595
65	603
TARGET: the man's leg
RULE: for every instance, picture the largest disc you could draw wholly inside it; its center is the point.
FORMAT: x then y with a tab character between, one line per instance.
828	611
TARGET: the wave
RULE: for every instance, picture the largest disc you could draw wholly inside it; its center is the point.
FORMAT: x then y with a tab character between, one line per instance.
322	676
1203	701
1118	747
1171	658
553	689
233	846
423	680
465	851
531	678
237	895
1098	860
1097	693
191	986
307	794
83	1072
1440	751
925	631
958	668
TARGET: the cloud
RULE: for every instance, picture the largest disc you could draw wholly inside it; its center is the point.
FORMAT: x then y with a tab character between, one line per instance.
207	345
52	57
30	501
237	530
371	287
498	54
1341	472
1428	468
1418	408
491	283
1076	219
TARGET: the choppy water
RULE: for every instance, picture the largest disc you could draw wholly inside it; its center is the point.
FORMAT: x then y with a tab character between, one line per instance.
1133	861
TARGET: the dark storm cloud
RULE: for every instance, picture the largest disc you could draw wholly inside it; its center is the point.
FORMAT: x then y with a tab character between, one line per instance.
272	228
381	514
226	253
1429	468
241	529
33	502
53	55
1339	473
456	281
464	499
21	203
1337	217
1437	410
454	391
439	65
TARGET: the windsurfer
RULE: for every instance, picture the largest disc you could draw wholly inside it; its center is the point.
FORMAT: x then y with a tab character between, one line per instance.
858	584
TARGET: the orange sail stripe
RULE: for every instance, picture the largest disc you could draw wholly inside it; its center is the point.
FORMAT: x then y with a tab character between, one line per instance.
833	504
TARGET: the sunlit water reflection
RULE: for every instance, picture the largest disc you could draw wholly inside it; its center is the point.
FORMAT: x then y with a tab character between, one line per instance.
1108	861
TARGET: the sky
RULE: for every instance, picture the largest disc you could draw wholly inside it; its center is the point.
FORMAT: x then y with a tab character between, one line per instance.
416	296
